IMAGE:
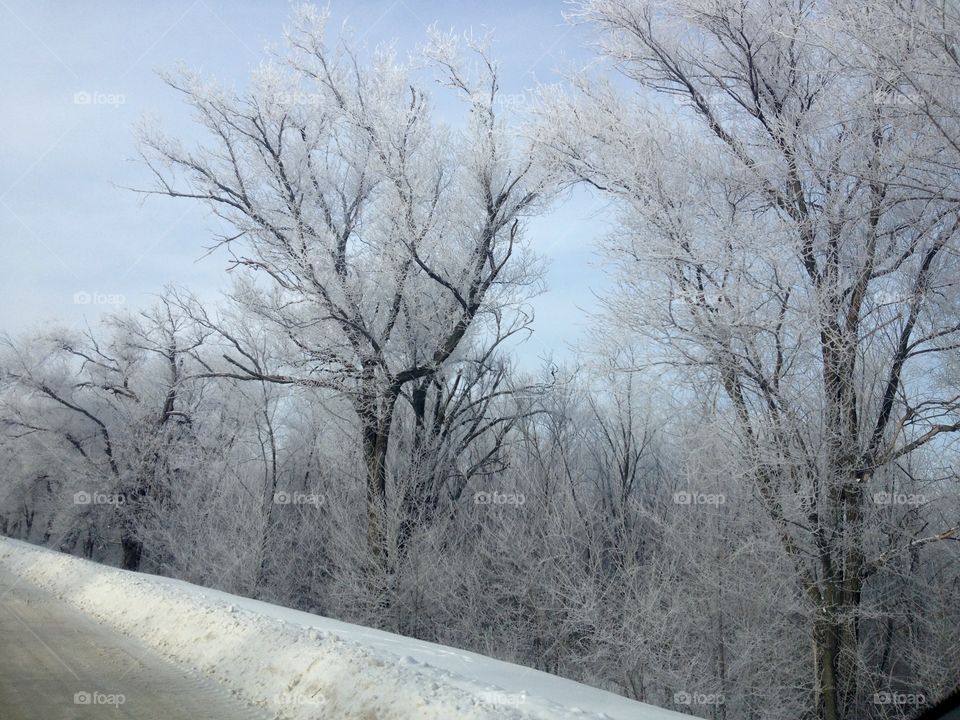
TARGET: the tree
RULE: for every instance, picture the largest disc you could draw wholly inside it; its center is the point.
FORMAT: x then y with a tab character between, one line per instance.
383	237
787	234
109	412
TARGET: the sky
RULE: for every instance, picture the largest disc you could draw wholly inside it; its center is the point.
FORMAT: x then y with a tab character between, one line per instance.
78	76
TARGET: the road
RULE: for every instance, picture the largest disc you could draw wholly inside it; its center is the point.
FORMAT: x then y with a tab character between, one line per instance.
58	664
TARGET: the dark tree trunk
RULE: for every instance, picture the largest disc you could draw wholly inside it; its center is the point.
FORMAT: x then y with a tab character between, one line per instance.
376	416
418	501
132	551
825	634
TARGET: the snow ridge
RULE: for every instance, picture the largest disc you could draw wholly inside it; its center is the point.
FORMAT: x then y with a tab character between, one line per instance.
299	666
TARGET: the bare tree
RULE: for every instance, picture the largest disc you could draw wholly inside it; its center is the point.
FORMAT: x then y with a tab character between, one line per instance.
787	234
383	236
94	400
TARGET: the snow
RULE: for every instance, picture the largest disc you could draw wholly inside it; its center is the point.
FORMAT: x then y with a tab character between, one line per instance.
300	666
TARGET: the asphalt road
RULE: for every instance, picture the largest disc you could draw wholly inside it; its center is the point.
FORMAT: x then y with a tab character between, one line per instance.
58	664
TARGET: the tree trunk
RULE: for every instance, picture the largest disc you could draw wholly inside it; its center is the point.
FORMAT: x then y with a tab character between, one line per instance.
376	416
853	565
132	551
418	500
825	638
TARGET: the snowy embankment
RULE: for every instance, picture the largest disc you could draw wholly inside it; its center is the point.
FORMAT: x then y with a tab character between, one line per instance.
302	666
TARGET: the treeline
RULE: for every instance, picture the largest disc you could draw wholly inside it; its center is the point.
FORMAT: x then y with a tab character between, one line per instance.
739	501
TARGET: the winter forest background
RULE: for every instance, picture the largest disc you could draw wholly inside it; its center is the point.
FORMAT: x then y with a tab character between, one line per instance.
737	498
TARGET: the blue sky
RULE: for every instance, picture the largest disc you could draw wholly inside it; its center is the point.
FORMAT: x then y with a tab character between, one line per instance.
77	77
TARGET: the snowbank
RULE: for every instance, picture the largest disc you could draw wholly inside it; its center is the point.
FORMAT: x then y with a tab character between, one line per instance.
302	666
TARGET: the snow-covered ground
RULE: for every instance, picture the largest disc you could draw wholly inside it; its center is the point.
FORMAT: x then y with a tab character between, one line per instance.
302	666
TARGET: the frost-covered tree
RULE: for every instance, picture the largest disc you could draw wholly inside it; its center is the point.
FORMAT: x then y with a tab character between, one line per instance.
104	416
382	236
788	232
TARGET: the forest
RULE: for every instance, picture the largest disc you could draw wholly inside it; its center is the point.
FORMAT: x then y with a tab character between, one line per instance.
738	499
